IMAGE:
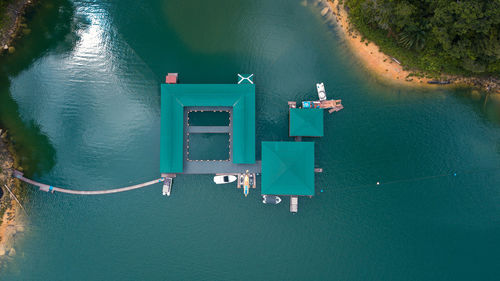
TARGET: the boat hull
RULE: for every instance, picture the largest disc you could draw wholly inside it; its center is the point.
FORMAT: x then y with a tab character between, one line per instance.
271	199
224	179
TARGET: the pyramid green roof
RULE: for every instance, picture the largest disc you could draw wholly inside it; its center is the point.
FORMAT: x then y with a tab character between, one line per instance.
306	122
287	168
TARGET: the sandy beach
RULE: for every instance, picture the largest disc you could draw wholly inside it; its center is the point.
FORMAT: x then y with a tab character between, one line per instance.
369	54
382	65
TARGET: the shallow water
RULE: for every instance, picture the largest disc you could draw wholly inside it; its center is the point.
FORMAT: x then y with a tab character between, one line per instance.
82	91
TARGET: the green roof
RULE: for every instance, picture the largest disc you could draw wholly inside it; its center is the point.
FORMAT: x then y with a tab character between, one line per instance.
287	168
306	122
174	97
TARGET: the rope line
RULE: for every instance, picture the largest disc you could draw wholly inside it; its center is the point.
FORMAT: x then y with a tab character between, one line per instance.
453	174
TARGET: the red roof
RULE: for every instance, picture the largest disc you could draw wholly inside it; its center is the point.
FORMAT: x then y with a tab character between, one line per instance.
171	78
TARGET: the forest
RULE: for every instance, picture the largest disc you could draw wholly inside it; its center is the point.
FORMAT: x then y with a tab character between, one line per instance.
433	36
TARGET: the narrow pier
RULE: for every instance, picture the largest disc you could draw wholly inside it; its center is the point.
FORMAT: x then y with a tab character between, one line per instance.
294	204
208	129
49	188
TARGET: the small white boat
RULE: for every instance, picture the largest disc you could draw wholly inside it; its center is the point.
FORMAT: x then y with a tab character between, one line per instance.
321	91
224	179
271	199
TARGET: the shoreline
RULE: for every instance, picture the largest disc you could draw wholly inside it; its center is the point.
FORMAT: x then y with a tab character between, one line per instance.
387	68
12	221
15	24
12	216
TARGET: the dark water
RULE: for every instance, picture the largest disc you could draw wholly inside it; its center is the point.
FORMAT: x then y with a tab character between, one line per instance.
81	94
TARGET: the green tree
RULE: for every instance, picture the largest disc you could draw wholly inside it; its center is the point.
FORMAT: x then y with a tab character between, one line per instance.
461	36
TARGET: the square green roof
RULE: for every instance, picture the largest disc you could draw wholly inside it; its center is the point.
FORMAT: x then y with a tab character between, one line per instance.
307	122
174	97
287	168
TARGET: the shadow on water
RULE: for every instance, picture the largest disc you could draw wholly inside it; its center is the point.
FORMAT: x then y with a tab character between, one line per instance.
52	31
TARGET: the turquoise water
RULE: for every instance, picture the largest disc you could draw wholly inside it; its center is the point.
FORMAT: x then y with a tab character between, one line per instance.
208	147
82	91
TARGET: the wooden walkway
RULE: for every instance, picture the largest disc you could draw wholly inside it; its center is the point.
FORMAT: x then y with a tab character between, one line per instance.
208	129
49	188
333	105
220	167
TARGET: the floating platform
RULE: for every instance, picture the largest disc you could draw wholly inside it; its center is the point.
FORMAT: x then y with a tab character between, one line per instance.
167	186
294	204
287	168
219	167
332	105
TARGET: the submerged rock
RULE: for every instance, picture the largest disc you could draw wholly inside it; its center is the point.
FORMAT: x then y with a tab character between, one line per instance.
11	50
12	252
2	250
475	95
20	228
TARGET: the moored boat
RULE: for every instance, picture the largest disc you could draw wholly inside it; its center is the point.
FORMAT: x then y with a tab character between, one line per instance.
224	179
271	199
438	82
321	91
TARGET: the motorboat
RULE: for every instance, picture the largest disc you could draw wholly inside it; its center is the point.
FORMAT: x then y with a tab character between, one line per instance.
321	91
438	82
224	179
271	199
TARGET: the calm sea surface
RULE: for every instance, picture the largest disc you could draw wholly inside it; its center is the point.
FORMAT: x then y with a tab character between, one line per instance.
81	97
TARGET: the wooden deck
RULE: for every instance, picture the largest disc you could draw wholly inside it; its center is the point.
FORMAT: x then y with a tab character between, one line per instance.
219	167
332	105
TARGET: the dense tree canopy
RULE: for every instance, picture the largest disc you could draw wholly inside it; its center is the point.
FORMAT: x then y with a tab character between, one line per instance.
438	35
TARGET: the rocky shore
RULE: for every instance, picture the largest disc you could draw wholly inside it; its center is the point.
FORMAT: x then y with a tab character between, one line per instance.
14	23
387	68
11	214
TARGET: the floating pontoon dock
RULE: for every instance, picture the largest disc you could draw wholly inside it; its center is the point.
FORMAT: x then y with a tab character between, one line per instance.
287	167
